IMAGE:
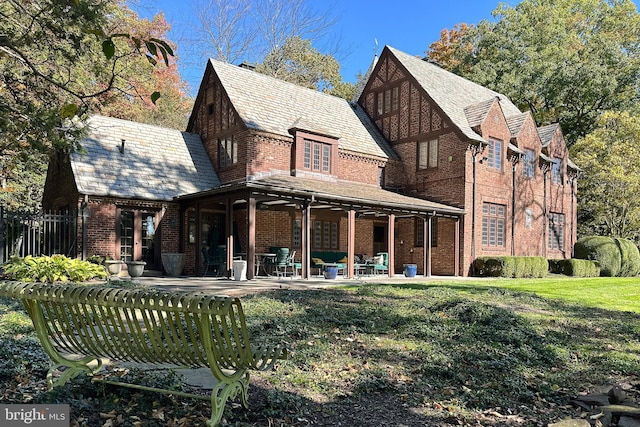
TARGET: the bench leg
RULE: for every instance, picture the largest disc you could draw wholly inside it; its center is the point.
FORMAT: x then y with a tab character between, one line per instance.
223	392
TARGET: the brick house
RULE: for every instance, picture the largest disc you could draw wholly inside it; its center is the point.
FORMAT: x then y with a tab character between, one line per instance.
426	166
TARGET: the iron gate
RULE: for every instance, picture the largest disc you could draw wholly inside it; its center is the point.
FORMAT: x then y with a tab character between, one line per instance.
38	234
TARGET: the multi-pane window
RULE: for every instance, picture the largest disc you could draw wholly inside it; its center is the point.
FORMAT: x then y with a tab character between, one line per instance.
493	224
227	151
317	156
325	235
494	158
420	232
428	154
388	100
297	234
529	165
556	171
556	231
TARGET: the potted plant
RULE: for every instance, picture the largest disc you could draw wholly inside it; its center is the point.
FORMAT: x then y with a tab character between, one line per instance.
410	270
113	266
135	268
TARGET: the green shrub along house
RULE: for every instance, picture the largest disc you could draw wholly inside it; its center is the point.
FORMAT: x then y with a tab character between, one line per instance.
615	257
423	165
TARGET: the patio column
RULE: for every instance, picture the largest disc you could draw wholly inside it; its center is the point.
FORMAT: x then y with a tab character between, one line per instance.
251	238
229	216
427	245
306	240
392	243
351	241
456	249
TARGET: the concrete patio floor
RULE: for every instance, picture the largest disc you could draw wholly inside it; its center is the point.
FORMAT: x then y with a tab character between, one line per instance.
226	286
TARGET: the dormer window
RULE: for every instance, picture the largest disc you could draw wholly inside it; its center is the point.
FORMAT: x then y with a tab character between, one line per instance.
317	156
315	153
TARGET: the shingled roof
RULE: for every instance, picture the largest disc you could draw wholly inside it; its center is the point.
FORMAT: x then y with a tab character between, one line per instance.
452	93
546	133
275	106
156	163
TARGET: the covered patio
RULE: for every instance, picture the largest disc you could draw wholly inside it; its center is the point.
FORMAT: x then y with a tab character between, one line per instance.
280	210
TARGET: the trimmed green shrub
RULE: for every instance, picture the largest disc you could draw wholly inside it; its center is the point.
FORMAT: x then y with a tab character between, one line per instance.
616	257
49	269
574	267
601	249
511	266
629	258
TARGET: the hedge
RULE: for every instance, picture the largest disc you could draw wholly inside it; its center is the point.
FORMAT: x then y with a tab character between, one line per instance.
630	258
511	266
616	257
575	267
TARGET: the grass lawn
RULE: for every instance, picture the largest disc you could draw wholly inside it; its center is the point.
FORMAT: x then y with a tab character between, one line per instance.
622	294
467	352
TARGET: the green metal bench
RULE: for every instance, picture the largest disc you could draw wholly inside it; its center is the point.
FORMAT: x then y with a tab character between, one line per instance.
178	328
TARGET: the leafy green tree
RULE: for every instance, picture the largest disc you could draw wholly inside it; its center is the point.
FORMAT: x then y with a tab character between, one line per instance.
566	61
142	78
57	61
63	59
298	62
609	184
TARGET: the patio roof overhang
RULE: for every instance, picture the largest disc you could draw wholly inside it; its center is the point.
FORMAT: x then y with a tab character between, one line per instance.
282	190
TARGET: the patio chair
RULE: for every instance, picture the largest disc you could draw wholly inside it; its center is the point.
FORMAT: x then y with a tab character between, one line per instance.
282	270
382	265
280	262
217	261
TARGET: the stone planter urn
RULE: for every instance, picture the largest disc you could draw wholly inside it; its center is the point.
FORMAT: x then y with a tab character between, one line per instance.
173	263
113	266
135	268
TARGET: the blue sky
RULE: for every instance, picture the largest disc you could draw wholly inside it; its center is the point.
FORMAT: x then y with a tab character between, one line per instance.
407	25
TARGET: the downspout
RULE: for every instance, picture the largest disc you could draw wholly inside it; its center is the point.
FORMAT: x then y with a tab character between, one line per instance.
84	205
514	163
475	150
545	225
572	180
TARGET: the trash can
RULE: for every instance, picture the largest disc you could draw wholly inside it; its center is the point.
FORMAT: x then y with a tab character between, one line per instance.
239	270
410	270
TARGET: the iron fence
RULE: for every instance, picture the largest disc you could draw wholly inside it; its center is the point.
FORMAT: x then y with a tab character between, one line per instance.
39	234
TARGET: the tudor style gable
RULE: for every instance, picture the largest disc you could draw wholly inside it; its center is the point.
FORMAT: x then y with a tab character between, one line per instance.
398	105
216	121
